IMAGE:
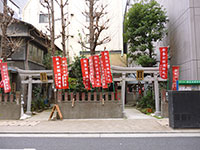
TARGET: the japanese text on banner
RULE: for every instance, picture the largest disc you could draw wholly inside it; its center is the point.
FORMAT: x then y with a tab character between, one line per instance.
97	70
5	77
85	73
57	72
106	66
163	68
65	82
175	72
92	76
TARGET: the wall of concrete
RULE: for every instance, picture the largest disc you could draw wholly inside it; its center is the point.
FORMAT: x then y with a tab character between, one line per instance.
9	111
183	37
92	109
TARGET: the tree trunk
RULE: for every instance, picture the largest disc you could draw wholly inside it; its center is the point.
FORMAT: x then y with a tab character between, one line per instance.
63	29
91	27
52	29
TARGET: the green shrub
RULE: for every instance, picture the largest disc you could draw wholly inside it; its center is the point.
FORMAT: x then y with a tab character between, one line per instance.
147	101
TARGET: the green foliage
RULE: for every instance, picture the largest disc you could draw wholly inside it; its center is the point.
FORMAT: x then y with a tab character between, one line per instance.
38	103
75	75
147	101
144	24
47	61
145	61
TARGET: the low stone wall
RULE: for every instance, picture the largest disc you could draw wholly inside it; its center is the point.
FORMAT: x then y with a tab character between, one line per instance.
9	111
90	105
10	108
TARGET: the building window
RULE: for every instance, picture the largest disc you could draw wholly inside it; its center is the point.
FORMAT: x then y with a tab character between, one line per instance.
43	18
35	54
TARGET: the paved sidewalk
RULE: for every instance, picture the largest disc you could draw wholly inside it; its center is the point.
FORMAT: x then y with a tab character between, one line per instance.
135	122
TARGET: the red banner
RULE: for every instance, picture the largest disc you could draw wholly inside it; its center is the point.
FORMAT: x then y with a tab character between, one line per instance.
106	65
163	62
175	72
85	73
92	76
97	71
65	83
57	72
104	84
5	77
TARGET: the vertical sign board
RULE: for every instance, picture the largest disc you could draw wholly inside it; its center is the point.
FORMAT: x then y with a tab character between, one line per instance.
163	68
57	72
5	77
65	83
175	72
97	70
85	73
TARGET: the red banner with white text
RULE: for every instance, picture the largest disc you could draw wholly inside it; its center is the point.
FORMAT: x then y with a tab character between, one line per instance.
5	77
65	83
103	74
175	73
163	62
92	76
57	72
97	70
106	66
85	73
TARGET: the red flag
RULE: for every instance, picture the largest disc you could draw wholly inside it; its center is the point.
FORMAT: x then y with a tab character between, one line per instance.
65	83
5	77
103	73
106	65
85	73
57	72
175	72
92	76
97	70
163	68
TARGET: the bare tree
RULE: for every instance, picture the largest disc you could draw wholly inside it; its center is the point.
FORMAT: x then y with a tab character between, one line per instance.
97	24
64	23
5	20
49	5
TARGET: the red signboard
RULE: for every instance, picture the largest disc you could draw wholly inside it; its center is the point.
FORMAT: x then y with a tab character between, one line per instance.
175	72
85	73
5	77
106	66
97	70
65	83
163	62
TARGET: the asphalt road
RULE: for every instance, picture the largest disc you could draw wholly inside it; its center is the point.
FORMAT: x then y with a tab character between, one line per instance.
61	142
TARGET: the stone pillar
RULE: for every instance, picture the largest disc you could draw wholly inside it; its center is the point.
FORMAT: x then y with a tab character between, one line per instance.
157	101
123	89
28	111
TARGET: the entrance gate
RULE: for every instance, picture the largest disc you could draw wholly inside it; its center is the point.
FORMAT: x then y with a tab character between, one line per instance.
153	71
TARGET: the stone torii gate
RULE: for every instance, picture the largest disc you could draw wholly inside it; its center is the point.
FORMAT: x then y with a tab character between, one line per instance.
148	70
31	74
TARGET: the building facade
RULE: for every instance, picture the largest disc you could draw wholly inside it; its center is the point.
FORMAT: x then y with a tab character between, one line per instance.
35	14
183	37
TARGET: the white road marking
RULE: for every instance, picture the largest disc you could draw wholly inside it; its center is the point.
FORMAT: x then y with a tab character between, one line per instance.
103	135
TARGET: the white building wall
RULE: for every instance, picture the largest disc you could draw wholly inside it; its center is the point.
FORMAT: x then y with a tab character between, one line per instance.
78	21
